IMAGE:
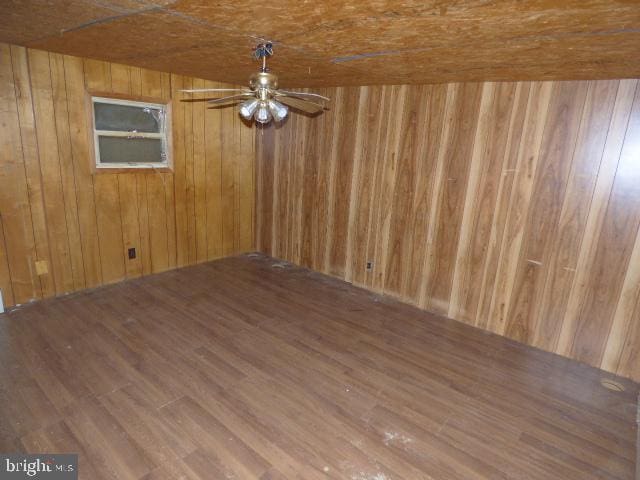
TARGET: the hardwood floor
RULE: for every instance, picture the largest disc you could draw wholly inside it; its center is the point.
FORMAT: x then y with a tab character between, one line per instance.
247	368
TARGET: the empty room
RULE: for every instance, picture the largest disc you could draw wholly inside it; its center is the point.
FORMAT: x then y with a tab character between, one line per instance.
314	240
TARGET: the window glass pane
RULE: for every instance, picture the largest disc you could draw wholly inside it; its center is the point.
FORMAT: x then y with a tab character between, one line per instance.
130	150
126	118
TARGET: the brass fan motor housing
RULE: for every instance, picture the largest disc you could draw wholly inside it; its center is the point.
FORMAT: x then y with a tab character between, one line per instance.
263	80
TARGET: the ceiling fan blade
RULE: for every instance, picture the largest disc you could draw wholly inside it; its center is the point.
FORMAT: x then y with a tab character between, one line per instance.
203	90
232	98
300	104
288	93
203	99
224	105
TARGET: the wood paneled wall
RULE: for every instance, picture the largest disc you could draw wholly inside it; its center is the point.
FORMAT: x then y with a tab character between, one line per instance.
513	207
56	215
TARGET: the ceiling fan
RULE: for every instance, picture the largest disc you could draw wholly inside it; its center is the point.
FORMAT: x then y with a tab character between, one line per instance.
263	100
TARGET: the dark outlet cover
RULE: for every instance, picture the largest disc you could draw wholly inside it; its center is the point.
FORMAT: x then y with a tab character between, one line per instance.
132	253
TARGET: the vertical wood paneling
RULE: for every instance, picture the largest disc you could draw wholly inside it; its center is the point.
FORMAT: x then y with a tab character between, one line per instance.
14	195
376	208
613	251
554	164
50	168
342	158
246	181
515	222
264	221
135	75
606	174
511	206
621	351
399	228
20	65
488	167
281	197
477	165
106	192
67	174
199	177
151	191
179	120
562	264
121	83
430	128
320	193
229	142
386	188
213	193
54	209
493	244
168	180
434	195
189	179
79	125
458	148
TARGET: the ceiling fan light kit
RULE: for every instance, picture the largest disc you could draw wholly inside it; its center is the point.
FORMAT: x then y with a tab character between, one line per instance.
248	108
264	101
278	110
263	115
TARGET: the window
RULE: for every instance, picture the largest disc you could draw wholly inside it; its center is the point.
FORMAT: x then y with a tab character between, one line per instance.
130	134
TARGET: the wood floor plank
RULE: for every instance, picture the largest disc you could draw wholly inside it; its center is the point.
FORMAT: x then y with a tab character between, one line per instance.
251	368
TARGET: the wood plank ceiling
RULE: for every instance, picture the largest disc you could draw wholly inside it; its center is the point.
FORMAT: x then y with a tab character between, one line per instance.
355	42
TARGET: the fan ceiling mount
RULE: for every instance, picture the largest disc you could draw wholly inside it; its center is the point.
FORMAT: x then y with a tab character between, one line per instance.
263	100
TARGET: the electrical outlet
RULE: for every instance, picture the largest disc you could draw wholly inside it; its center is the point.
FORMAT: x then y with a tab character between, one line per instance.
1	303
369	266
132	253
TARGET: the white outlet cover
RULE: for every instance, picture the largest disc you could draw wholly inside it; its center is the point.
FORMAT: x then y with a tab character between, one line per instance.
1	303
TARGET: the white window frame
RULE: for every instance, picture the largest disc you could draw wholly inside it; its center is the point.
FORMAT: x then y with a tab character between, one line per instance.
163	134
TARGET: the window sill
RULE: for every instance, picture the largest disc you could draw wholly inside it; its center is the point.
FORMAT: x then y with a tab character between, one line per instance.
140	169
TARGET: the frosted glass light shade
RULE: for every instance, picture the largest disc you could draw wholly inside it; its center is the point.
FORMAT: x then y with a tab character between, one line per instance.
278	110
248	108
263	115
